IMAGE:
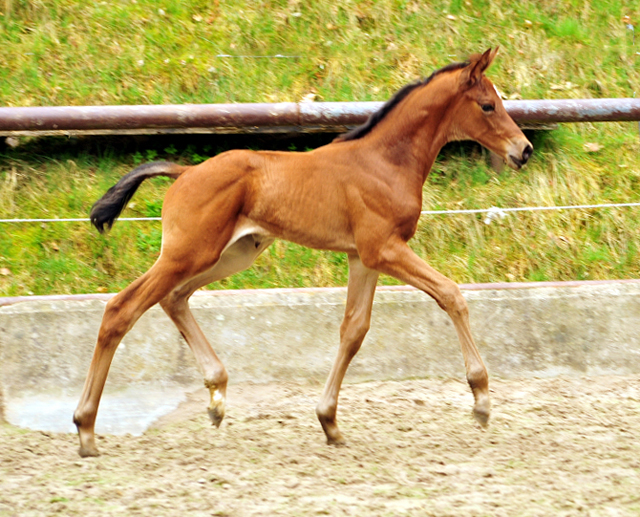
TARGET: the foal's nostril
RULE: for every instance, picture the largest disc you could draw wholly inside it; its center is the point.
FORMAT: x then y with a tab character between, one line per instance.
526	154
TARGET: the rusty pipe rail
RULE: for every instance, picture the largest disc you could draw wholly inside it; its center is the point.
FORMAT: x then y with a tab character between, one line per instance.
223	118
277	117
574	110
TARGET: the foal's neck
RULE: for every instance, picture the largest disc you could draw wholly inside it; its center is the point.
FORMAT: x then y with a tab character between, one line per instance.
418	128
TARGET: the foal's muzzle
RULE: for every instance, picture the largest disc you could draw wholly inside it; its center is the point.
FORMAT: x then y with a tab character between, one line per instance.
521	160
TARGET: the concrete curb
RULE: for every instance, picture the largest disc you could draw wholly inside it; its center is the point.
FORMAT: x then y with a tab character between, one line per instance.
537	329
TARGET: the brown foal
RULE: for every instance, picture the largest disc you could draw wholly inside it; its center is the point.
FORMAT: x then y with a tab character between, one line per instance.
361	195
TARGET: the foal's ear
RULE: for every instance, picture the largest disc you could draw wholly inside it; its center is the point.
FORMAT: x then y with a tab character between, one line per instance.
477	65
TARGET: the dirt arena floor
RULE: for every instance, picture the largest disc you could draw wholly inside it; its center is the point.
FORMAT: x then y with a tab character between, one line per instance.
568	446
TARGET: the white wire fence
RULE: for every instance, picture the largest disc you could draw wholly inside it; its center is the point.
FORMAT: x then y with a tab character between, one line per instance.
491	213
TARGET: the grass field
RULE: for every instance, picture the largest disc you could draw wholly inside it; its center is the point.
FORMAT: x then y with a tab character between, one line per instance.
153	52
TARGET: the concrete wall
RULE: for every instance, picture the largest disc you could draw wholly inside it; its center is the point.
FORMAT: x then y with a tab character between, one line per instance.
275	335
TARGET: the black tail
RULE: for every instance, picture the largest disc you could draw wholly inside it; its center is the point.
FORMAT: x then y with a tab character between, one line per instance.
107	209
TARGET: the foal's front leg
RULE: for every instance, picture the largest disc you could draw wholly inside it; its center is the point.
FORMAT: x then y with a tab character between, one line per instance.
360	293
398	260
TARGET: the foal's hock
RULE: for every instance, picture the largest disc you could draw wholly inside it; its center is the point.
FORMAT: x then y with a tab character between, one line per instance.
361	195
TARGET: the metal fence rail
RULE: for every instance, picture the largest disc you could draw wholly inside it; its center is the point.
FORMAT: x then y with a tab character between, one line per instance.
278	117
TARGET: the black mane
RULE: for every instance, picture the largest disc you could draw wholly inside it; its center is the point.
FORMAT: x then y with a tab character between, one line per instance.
400	95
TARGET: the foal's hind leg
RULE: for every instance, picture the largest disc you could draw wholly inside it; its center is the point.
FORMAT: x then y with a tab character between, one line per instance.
121	312
360	293
176	305
237	257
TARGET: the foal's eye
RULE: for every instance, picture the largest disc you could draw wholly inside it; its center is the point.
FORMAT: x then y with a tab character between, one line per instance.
488	108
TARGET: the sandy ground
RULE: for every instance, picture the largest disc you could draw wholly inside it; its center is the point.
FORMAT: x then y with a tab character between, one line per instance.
568	446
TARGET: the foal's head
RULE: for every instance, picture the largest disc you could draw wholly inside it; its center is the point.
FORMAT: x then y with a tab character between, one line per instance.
469	106
477	113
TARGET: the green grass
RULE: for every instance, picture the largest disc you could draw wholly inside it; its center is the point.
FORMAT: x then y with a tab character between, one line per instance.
148	52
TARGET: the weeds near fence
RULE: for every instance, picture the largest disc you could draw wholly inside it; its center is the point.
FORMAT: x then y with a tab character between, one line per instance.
125	52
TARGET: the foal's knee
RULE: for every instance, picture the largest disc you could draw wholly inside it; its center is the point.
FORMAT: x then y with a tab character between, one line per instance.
354	329
452	301
116	322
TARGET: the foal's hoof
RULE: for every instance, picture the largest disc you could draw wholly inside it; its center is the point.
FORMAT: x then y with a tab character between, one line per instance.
87	441
334	436
216	414
482	414
339	442
88	452
216	406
